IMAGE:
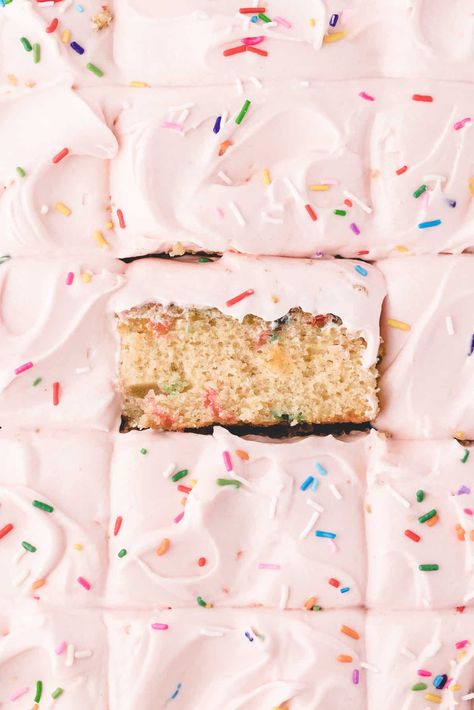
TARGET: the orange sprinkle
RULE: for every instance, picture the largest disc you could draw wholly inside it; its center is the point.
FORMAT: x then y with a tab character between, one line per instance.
163	547
432	521
349	632
242	454
342	658
224	147
38	584
309	603
471	186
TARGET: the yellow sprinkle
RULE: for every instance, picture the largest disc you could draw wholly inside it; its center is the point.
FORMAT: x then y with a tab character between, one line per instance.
335	37
399	324
86	277
78	546
63	209
433	698
209	605
312	22
402	249
471	186
266	177
192	483
459	435
319	188
100	239
455	687
109	225
139	84
66	36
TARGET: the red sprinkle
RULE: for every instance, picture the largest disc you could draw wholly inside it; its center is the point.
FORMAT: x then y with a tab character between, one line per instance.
59	156
234	50
460	609
121	219
311	212
402	170
240	297
348	203
184	489
52	25
118	525
413	536
256	50
363	252
55	393
422	97
202	561
251	10
334	582
5	530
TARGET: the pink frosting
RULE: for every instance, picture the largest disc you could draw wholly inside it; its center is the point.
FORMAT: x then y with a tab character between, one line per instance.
428	371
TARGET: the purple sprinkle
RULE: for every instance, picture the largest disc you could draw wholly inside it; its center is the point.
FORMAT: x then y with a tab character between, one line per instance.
472	345
464	490
333	20
452	203
77	48
355	228
249	636
355	676
217	125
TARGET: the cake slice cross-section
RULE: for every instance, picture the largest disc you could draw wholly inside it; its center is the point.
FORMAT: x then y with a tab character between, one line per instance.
245	340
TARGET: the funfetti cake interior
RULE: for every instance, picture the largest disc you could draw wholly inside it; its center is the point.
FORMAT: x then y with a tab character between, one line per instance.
236	355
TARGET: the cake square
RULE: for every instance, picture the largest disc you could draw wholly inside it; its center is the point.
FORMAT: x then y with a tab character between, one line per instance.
54	517
420	524
53	659
273	530
255	659
420	660
427	371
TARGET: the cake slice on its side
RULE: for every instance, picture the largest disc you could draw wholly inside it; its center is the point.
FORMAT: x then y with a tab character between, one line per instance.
252	341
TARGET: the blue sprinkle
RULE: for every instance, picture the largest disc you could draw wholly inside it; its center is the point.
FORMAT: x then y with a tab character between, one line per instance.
452	203
249	636
80	8
360	270
306	484
315	484
254	18
323	471
333	20
471	349
426	225
440	681
323	533
77	48
343	590
178	688
217	125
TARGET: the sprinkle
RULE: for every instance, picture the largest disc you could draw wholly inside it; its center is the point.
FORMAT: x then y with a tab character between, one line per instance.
355	228
413	536
460	124
59	156
163	547
228	482
61	648
462	644
77	47
26	44
18	694
175	694
469	696
281	21
84	583
440	681
95	70
311	212
121	219
139	84
420	191
449	325
100	239
342	658
240	297
55	393
118	525
202	562
251	10
5	530
43	506
463	490
23	368
36	53
334	582
159	627
227	461
266	177
321	469
202	603
62	209
178	518
284	592
306	483
20	171
169	470
309	526
335	491
66	36
427	516
319	188
360	270
349	632
422	97
69	655
69	278
234	50
52	25
367	97
39	691
334	37
237	214
427	225
471	348
179	474
344	590
397	496
263	17
37	381
122	553
465	456
428	568
402	170
340	213
323	533
433	698
241	115
56	693
369	667
28	547
333	20
398	324
268	565
83	654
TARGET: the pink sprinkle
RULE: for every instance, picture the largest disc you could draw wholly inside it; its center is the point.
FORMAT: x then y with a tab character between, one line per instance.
282	21
249	41
355	676
173	126
159	627
69	278
366	96
227	461
424	674
84	583
61	648
179	517
19	693
460	124
355	228
268	565
462	644
23	368
468	511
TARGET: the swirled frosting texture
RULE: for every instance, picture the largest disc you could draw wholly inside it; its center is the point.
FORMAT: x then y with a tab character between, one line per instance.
428	368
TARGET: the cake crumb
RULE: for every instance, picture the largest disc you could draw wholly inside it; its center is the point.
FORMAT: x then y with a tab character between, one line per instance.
102	20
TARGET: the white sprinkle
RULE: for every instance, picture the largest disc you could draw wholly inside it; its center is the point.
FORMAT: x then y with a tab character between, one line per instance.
369	667
241	480
358	201
83	654
240	86
449	325
432	649
434	178
256	82
215	631
316	506
82	370
284	596
294	192
335	491
274	502
20	556
310	525
21	578
397	496
469	696
224	117
183	115
237	214
271	220
169	470
69	655
225	178
44	209
408	654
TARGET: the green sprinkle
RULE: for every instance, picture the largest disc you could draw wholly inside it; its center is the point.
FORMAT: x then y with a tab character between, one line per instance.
95	70
39	690
316	608
242	112
204	259
20	171
466	456
36	53
427	516
37	381
228	482
420	496
143	451
179	474
26	44
263	17
3	259
428	568
201	601
43	506
341	213
122	553
420	191
28	547
419	686
56	693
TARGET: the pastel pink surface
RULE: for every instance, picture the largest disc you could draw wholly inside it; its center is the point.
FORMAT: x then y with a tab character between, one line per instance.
428	373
